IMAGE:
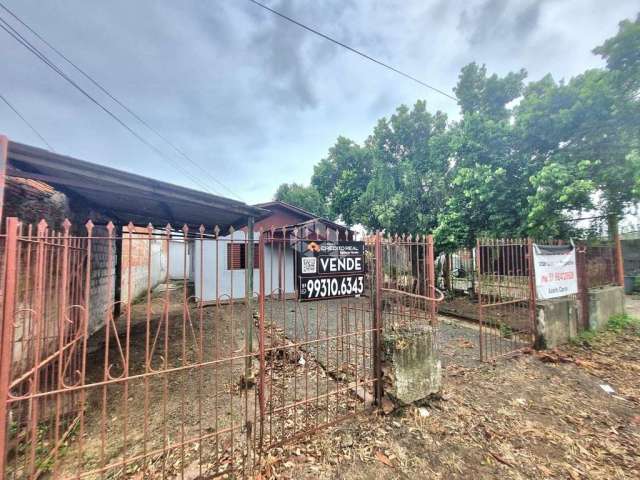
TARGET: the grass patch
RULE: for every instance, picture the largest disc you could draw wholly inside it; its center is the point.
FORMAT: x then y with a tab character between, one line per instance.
620	322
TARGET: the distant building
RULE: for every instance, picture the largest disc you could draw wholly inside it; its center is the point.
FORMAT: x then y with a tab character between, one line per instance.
227	254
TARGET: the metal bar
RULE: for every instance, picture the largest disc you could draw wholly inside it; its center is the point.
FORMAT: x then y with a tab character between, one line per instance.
248	293
4	159
480	311
8	310
377	331
261	389
413	295
532	290
619	262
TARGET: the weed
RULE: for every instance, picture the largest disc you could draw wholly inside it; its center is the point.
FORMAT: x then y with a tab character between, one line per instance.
620	322
505	330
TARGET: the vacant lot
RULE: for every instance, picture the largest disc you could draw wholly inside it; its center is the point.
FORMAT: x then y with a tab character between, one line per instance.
539	415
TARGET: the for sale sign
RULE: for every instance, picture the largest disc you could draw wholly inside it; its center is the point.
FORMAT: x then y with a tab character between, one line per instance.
555	269
328	269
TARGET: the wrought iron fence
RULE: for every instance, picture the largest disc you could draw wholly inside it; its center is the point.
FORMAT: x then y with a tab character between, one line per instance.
156	352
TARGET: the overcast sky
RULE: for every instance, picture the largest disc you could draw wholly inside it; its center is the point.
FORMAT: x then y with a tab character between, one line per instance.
255	100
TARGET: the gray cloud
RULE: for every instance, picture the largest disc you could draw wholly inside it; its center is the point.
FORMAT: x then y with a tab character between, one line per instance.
499	21
257	101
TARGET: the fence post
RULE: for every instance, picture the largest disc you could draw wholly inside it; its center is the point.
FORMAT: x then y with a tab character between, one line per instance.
431	282
248	296
480	312
532	291
618	256
261	352
377	318
583	286
4	158
8	311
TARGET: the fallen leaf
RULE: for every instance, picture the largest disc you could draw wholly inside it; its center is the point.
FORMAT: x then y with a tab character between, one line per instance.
382	458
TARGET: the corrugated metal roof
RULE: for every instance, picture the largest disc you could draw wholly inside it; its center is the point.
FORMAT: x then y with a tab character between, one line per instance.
127	196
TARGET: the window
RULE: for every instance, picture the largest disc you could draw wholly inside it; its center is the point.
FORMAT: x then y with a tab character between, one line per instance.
237	258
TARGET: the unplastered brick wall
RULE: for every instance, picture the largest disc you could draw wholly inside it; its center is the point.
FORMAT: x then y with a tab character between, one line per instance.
144	262
102	279
32	201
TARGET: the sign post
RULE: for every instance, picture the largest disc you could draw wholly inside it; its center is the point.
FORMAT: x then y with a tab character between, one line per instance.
555	271
328	269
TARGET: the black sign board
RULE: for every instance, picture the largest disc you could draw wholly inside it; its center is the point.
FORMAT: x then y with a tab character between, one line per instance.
328	269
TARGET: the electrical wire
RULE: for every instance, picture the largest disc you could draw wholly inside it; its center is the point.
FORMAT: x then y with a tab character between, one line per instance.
27	123
353	50
178	150
41	56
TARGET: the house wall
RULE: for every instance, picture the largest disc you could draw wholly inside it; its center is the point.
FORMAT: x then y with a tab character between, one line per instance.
215	282
138	273
179	266
279	217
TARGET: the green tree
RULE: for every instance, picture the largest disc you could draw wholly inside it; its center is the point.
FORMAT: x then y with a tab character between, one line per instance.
342	178
303	197
585	136
410	162
490	182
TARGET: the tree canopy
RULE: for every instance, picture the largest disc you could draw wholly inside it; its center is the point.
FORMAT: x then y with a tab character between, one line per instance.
522	158
303	197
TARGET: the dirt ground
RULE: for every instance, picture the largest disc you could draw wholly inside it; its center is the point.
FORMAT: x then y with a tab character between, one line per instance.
193	388
537	415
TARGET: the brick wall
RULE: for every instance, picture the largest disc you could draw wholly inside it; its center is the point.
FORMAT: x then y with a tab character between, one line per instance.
103	279
137	273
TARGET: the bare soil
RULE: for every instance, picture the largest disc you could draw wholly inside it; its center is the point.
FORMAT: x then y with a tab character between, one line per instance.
537	415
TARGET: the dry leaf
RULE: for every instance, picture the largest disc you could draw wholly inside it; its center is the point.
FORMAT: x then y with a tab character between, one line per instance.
382	458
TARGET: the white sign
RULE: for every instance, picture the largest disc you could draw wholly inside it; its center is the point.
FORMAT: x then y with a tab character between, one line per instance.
555	268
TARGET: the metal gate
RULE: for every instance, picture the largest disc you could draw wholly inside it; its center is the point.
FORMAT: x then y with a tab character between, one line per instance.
506	299
114	367
317	359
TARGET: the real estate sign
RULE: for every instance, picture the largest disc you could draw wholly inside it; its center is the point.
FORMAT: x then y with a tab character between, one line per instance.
555	269
328	269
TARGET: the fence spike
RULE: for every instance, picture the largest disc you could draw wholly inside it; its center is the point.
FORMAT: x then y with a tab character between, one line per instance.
150	228
66	225
201	229
89	226
216	230
110	227
42	227
185	229
131	227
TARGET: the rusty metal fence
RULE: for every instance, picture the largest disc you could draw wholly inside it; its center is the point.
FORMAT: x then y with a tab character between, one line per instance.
506	299
150	352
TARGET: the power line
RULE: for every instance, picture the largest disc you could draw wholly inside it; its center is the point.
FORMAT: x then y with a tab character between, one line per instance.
351	49
27	123
116	100
41	56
